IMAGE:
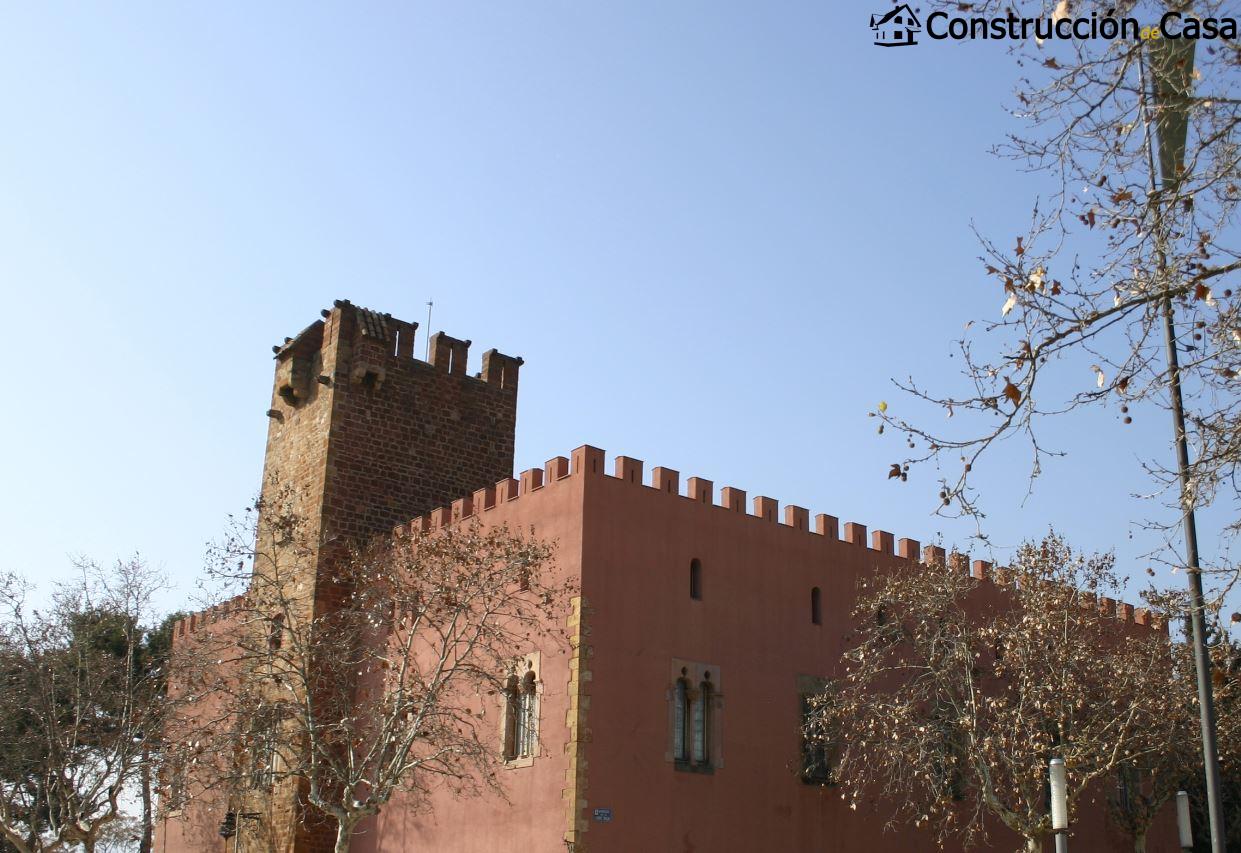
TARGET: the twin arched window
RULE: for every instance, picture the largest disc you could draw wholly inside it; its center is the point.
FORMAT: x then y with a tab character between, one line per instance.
521	735
691	711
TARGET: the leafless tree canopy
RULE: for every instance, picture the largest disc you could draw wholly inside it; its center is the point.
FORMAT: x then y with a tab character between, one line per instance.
385	679
1077	318
958	692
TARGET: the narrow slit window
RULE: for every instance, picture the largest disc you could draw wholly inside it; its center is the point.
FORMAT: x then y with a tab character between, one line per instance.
275	632
695	579
816	606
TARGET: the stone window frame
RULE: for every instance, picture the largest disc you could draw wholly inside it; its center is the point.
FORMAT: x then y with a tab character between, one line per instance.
694	674
520	668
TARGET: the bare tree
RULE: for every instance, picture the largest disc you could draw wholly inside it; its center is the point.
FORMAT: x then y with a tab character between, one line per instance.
1131	237
1119	293
1226	670
77	707
958	692
382	680
1169	758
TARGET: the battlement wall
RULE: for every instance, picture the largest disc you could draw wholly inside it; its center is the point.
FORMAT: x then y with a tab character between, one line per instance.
588	461
357	345
201	619
369	434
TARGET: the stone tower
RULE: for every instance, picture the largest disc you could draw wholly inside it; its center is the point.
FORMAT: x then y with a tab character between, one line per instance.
371	436
364	436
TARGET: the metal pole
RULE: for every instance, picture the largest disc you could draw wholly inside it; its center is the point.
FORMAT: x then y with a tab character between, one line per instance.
1172	66
1202	662
1062	842
430	305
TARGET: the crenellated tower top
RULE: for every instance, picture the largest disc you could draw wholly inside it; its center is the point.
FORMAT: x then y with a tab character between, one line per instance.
364	434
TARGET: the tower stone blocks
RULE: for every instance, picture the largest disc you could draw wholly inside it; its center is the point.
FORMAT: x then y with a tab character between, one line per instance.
363	435
369	436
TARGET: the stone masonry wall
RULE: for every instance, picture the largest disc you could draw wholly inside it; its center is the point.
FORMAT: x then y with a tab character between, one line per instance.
367	436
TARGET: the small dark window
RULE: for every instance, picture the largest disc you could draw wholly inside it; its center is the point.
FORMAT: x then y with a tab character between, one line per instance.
816	606
275	632
695	579
816	762
1125	777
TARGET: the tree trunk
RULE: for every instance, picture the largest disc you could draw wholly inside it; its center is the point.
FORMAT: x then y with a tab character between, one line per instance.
1139	842
344	830
1034	845
144	845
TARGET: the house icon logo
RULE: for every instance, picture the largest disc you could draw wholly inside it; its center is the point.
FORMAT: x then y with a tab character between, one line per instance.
897	28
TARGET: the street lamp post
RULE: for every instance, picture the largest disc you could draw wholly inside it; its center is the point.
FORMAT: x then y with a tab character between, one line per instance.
1172	66
1059	803
1183	826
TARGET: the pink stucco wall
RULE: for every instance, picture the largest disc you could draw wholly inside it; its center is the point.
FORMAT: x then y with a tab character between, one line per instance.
629	545
531	815
753	626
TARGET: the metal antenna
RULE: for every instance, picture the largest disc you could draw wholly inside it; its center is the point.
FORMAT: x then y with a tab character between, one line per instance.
430	305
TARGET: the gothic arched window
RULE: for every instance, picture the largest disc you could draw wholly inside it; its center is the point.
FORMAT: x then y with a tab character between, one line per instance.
694	700
527	718
681	720
521	715
701	722
511	695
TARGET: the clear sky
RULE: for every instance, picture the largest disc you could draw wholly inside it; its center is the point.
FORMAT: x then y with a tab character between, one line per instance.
713	230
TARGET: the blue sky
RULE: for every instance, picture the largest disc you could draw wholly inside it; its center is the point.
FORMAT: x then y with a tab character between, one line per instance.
714	231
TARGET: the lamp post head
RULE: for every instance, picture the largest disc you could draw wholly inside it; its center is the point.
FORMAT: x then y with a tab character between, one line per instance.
1183	825
1059	794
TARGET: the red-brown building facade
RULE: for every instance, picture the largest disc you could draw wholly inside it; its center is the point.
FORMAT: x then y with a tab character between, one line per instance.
696	604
